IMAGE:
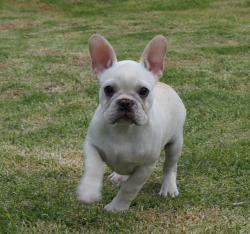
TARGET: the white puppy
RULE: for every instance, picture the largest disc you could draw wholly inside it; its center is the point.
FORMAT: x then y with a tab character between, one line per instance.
136	118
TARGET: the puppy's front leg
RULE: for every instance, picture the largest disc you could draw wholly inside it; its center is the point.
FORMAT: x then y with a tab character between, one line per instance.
89	189
129	189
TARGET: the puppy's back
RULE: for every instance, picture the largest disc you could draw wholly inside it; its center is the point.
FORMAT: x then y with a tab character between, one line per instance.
170	102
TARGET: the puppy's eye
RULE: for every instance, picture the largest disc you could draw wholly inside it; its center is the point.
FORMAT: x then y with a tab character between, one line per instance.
143	92
109	91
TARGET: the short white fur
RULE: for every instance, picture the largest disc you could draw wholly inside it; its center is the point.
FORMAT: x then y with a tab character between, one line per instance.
131	148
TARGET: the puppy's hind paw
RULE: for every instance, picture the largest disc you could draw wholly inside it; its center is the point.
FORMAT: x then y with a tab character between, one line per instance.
116	178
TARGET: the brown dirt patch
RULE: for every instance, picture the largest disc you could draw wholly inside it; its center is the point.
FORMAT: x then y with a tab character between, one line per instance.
14	93
4	66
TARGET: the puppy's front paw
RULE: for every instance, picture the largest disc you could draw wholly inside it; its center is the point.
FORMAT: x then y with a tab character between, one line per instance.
114	177
88	195
116	206
169	191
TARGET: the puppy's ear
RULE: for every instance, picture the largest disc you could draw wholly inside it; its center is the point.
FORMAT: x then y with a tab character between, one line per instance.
154	54
101	52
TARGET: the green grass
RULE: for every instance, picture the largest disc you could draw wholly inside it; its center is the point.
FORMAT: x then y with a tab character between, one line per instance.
48	94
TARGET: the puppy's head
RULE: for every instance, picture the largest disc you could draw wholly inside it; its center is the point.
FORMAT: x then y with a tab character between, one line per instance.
126	86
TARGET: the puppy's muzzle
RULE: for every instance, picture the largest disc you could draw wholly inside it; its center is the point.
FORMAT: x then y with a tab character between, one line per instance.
125	105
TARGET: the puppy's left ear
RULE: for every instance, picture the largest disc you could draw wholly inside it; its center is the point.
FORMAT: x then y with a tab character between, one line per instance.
154	54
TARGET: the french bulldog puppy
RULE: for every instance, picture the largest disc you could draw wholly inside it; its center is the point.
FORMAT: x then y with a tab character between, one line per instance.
136	118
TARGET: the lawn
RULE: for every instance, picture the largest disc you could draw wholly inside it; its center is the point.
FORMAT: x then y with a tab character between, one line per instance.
48	94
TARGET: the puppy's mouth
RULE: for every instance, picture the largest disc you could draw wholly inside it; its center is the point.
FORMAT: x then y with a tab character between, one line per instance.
124	116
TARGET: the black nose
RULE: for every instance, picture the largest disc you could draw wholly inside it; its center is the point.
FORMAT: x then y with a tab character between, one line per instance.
125	104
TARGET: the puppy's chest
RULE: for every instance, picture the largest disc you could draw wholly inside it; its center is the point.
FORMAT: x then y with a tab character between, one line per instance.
121	151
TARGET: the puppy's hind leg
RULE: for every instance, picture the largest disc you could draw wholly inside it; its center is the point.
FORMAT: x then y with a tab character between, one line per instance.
172	154
117	178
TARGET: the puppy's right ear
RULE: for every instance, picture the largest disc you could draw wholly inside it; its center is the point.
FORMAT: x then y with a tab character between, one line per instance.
102	53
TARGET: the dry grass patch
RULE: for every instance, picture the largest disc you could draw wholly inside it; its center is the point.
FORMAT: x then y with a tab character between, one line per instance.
194	220
64	157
